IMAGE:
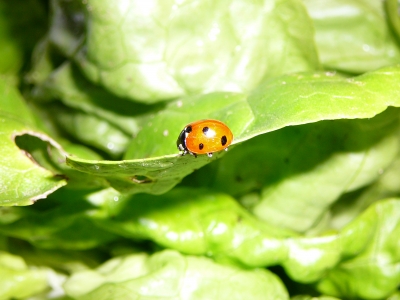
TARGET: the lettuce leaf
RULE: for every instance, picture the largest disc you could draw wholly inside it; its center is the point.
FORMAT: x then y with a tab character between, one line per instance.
22	180
149	165
304	204
354	36
18	280
156	52
200	222
177	276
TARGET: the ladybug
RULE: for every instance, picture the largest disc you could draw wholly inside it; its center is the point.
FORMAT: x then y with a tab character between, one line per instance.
204	137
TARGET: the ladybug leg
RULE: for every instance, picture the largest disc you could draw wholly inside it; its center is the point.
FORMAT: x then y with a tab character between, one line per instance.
209	154
182	148
184	152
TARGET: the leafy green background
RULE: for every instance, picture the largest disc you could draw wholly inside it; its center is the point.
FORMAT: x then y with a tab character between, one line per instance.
97	203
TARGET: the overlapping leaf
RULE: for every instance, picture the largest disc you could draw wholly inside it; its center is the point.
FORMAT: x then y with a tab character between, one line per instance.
284	101
18	280
156	52
214	224
294	168
17	36
178	276
22	180
63	223
354	36
311	185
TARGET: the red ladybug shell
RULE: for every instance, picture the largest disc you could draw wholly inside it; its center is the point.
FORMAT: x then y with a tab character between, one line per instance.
204	137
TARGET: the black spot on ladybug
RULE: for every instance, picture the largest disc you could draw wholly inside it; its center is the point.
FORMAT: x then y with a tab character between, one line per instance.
223	140
188	129
201	146
205	129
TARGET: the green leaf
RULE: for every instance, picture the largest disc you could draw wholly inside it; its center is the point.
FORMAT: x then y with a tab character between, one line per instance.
353	36
395	296
69	86
63	221
203	222
304	297
159	134
152	175
295	150
178	276
306	98
370	247
309	188
337	157
350	205
194	221
284	101
157	52
90	130
67	24
36	142
22	180
89	113
64	260
17	35
18	280
391	7
12	104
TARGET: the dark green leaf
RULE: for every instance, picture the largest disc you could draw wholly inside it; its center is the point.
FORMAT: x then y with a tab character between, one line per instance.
17	34
63	221
391	10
